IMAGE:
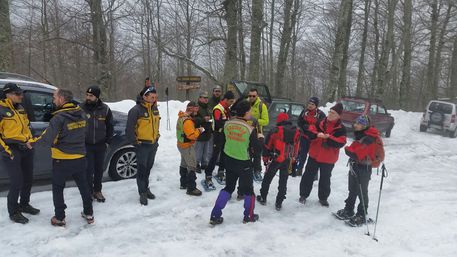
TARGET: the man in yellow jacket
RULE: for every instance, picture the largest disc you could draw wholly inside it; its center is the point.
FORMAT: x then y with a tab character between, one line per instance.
16	158
187	135
259	112
142	131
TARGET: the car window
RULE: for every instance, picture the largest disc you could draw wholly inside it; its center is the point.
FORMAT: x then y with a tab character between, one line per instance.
296	110
382	110
373	109
440	107
41	105
353	106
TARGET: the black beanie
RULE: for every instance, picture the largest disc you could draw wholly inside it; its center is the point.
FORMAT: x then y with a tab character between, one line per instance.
229	95
338	108
314	100
95	90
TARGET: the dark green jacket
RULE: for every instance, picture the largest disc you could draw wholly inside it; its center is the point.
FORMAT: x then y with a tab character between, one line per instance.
201	122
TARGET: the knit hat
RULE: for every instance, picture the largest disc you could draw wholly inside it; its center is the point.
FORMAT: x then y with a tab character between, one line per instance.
95	90
203	94
148	90
282	117
314	100
338	108
11	88
240	107
229	95
363	120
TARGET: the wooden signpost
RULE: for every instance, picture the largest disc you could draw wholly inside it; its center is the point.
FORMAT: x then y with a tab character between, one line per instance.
188	83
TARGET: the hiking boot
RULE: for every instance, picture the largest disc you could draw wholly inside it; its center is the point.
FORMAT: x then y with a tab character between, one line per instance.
302	200
261	200
216	220
150	195
278	206
198	169
258	176
343	214
194	192
143	199
99	197
19	218
27	208
58	223
254	218
324	203
89	218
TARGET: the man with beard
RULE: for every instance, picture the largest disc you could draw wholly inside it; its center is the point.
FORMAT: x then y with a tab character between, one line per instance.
215	98
187	135
99	131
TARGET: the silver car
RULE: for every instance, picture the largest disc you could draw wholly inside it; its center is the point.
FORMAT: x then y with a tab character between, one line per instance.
440	115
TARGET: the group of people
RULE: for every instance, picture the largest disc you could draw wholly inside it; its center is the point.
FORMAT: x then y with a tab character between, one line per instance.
217	130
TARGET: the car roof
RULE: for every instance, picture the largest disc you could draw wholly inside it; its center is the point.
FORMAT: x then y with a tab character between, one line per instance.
27	83
444	101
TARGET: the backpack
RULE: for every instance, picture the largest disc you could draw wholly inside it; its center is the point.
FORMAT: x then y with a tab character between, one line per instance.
378	152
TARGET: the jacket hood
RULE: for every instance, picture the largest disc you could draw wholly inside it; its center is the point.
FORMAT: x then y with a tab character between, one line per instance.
71	111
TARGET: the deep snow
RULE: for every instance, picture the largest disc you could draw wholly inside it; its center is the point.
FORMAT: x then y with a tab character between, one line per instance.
417	217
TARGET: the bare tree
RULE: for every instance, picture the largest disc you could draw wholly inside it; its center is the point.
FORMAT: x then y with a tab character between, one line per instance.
231	64
5	36
405	84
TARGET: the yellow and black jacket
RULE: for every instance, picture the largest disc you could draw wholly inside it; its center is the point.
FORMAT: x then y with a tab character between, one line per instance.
143	124
66	133
14	126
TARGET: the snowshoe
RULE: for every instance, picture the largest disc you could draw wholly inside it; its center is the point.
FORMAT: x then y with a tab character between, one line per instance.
216	220
343	214
208	185
257	176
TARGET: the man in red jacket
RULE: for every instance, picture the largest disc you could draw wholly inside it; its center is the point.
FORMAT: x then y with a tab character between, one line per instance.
361	153
326	140
281	149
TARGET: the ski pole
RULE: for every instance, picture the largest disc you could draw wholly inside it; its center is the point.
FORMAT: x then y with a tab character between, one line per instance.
383	174
361	197
168	114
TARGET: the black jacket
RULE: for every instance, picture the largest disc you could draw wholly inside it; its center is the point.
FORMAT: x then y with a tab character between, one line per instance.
99	127
201	122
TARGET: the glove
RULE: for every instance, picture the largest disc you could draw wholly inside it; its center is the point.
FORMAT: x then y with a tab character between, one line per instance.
202	129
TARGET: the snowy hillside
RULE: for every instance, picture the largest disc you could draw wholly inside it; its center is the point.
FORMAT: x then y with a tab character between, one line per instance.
417	218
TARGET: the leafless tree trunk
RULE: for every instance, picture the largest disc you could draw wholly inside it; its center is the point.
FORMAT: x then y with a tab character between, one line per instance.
337	81
5	37
374	75
432	50
405	84
361	72
453	70
241	41
256	33
271	79
439	49
231	64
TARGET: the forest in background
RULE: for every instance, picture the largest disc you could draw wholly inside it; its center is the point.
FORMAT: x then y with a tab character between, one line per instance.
401	51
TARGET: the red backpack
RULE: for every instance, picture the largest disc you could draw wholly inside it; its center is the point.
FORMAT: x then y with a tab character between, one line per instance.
378	152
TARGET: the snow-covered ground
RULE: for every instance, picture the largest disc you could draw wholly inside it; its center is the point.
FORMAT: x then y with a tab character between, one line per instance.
417	218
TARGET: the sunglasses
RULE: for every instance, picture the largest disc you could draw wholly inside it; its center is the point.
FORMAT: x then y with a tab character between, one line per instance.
252	96
149	90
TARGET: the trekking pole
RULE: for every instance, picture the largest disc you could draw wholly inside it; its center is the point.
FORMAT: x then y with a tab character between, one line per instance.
383	174
168	114
361	197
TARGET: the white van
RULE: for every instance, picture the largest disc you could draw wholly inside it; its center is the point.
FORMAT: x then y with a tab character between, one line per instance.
441	115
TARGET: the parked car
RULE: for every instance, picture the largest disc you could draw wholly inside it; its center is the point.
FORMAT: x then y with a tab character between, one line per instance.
374	108
120	161
440	115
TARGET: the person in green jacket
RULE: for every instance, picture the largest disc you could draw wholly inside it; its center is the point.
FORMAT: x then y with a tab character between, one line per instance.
259	112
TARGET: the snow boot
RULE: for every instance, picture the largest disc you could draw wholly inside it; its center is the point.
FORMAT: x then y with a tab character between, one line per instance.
261	200
58	223
99	197
221	201
89	218
356	221
278	206
27	208
216	220
194	192
324	203
150	195
19	218
251	218
143	199
302	200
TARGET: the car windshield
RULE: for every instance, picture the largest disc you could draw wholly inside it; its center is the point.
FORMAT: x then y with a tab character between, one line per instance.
440	107
353	106
244	87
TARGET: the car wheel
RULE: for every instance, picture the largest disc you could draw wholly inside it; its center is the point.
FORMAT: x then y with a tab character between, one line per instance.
423	128
388	132
123	165
453	134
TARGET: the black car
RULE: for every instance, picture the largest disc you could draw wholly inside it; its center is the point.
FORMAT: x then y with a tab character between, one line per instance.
120	161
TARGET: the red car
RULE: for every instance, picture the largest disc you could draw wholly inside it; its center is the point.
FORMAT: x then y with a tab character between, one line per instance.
374	108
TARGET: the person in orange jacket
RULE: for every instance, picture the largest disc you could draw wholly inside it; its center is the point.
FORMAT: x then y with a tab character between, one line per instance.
187	135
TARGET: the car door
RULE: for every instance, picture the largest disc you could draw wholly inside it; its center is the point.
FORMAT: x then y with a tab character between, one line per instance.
377	118
39	107
384	118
